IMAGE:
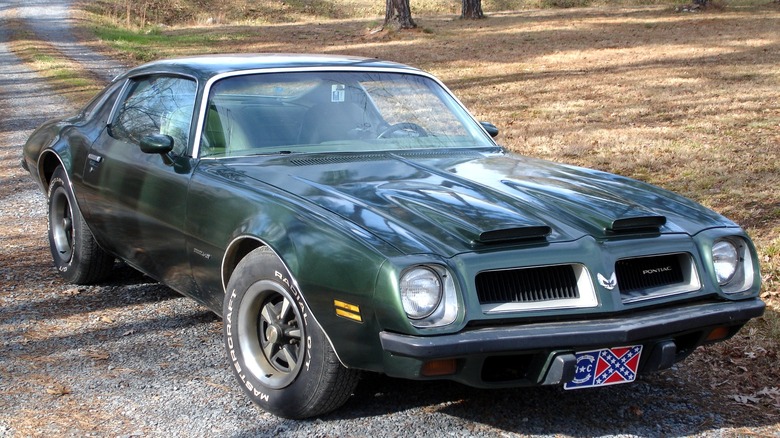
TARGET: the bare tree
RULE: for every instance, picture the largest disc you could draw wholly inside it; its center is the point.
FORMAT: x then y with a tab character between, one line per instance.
472	9
398	12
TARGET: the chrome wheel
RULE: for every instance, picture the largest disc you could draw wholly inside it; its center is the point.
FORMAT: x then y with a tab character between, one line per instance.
271	330
277	351
61	224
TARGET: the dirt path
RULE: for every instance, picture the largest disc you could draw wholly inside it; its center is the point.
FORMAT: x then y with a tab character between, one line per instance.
132	358
53	21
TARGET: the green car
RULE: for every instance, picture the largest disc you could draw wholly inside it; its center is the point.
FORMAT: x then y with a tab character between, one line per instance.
347	214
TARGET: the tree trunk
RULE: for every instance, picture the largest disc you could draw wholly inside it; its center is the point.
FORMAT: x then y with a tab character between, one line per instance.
398	12
472	10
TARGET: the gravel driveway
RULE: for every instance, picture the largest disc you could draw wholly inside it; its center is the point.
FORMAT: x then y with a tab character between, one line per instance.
133	358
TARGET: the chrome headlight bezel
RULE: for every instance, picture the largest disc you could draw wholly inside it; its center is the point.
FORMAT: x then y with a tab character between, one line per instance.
732	264
444	306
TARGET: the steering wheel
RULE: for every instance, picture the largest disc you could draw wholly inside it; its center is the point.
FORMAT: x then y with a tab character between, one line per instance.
408	127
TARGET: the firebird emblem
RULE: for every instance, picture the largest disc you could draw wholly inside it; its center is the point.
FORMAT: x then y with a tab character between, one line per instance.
608	283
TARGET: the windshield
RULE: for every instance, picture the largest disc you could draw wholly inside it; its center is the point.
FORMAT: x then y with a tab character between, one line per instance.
333	112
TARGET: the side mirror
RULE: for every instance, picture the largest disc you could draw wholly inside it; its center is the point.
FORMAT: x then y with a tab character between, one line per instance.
157	144
490	128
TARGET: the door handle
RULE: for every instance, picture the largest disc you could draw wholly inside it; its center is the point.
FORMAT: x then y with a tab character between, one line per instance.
96	158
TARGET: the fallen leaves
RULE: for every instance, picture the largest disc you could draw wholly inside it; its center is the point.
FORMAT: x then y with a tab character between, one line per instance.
72	291
58	390
770	395
106	319
219	386
98	354
743	370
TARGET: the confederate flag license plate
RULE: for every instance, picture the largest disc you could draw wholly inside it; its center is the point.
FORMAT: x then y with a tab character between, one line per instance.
609	366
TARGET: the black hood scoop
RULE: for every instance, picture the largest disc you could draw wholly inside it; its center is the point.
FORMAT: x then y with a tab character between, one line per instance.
650	223
514	234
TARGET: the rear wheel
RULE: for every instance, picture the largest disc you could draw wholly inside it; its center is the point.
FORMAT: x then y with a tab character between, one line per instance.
76	255
278	353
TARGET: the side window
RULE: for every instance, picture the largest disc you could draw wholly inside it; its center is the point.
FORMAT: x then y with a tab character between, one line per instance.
100	106
156	105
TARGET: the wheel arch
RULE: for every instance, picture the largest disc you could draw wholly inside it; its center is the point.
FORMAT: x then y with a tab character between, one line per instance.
321	252
47	164
239	248
235	252
307	380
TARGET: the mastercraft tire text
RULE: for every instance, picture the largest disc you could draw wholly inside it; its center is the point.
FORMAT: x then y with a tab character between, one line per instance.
277	351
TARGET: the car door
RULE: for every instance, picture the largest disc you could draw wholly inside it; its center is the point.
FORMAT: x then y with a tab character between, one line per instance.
137	200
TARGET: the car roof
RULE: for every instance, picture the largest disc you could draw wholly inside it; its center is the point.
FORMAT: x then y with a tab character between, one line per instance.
207	66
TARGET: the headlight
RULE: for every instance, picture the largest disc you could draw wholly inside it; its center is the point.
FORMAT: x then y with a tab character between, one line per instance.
725	259
421	291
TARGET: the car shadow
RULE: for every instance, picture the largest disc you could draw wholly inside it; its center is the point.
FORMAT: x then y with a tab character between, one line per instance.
670	403
113	300
125	287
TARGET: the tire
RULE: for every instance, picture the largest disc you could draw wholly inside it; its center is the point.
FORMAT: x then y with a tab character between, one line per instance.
277	351
76	255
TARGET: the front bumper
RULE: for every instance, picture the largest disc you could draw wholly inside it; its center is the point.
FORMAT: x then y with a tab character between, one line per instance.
542	353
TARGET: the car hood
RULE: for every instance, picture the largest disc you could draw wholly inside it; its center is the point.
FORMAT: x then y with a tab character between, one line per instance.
449	202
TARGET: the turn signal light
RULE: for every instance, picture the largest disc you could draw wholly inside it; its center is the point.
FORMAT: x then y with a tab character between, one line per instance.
718	334
440	367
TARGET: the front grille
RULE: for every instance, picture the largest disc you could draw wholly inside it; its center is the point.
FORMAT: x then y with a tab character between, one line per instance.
643	276
527	285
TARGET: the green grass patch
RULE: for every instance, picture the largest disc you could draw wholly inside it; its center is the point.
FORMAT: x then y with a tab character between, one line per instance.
64	76
42	58
154	42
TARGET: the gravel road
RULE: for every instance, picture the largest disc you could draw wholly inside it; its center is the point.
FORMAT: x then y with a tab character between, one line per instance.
133	358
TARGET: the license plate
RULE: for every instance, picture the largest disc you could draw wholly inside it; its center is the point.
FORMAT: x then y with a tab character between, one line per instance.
609	366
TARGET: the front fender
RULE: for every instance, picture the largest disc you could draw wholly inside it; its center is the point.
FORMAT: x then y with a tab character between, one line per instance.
332	261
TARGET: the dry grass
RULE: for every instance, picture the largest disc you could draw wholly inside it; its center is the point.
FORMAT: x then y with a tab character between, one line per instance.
689	102
131	13
64	76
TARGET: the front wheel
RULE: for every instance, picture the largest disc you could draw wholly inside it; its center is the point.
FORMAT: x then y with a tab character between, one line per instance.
278	353
76	255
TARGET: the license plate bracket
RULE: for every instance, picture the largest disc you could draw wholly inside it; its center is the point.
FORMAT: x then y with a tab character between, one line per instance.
607	366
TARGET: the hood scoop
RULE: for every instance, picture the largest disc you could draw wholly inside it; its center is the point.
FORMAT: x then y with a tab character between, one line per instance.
514	234
463	215
650	223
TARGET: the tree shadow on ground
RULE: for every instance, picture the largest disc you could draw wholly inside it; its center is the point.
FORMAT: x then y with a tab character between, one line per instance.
125	287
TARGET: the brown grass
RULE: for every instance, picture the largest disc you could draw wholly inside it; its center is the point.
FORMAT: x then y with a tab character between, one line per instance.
182	12
66	77
690	102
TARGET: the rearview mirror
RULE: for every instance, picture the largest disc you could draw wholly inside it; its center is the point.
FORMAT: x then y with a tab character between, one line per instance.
490	128
157	144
